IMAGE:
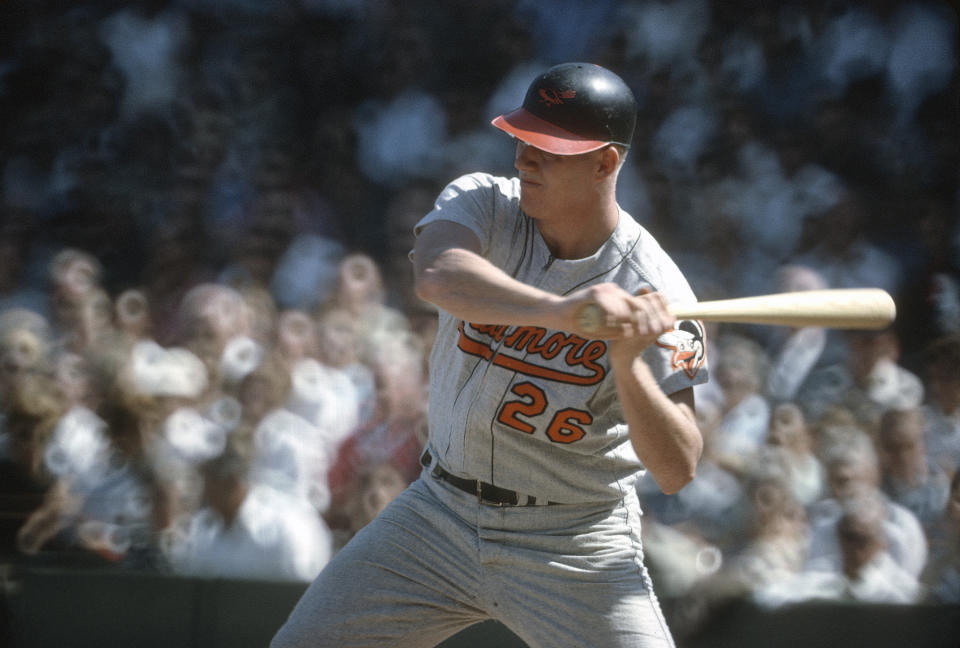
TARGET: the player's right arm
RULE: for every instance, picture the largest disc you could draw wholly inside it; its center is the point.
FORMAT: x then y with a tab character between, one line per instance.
450	273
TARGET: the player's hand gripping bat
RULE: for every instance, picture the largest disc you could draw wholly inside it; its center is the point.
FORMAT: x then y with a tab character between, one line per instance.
844	308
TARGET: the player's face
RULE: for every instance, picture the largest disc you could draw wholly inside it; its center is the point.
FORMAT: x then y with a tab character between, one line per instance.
553	184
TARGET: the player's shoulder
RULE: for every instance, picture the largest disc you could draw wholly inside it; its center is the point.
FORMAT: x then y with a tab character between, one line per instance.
483	202
651	261
482	182
480	195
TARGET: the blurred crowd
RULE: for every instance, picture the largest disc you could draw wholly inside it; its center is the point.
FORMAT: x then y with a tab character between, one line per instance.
211	359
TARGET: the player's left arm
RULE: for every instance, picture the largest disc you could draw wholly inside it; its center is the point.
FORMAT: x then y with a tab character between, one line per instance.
663	429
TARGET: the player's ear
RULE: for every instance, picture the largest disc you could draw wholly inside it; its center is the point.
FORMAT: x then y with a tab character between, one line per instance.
608	162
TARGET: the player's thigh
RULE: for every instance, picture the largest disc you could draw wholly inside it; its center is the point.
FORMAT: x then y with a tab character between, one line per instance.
407	579
585	584
596	615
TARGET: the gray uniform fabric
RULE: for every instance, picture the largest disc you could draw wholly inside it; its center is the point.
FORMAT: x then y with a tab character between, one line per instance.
526	409
487	382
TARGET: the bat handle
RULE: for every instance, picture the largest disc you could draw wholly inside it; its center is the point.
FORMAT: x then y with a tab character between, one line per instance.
590	318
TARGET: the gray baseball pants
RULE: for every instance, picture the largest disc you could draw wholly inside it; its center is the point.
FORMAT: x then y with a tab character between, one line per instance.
436	561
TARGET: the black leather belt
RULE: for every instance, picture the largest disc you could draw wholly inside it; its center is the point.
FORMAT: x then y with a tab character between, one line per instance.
486	493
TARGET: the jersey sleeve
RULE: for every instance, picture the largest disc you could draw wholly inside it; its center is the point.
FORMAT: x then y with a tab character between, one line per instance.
474	201
678	358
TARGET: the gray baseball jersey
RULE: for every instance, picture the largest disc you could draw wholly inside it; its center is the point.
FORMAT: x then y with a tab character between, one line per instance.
536	410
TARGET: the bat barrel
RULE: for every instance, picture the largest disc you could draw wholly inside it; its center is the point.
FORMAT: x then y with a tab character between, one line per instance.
853	308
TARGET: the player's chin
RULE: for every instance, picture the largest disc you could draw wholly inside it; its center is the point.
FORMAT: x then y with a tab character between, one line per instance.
530	205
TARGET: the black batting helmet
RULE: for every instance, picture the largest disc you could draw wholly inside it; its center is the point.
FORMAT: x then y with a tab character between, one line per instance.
573	108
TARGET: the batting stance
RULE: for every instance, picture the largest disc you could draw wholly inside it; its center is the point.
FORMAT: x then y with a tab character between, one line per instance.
526	510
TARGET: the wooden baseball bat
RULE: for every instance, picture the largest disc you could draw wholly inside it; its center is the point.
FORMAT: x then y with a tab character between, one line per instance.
843	308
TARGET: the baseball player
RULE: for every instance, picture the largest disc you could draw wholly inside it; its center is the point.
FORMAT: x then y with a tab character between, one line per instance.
526	509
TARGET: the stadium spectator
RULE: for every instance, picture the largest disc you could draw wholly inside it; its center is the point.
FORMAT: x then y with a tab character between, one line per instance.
741	367
866	572
942	408
942	574
790	449
774	542
31	411
853	471
868	380
794	351
248	531
910	478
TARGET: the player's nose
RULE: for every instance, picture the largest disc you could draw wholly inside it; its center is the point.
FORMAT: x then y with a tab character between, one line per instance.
524	160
